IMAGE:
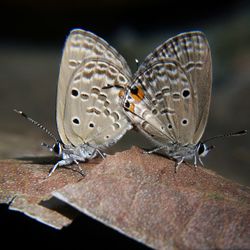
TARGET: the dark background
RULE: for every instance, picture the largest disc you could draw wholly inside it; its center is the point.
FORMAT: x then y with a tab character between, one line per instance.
32	36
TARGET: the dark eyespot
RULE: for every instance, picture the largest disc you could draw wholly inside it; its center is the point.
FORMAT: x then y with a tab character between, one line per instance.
76	121
184	122
127	104
134	90
91	125
185	93
74	92
170	126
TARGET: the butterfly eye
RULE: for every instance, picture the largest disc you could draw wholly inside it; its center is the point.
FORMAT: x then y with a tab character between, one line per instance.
57	148
201	148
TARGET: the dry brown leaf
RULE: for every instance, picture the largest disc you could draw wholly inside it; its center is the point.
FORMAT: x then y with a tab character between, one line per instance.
26	187
138	195
141	196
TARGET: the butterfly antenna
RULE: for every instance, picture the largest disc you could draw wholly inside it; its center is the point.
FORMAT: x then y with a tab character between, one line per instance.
37	124
43	144
137	63
239	133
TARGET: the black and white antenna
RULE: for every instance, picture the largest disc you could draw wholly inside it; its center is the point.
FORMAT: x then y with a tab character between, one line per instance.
239	133
39	125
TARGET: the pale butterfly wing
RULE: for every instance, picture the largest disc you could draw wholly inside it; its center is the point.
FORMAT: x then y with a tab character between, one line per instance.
79	46
94	115
158	103
192	52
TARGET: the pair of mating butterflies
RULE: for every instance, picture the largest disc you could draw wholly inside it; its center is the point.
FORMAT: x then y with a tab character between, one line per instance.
98	100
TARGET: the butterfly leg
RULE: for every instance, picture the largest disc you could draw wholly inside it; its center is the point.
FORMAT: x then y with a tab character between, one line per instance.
154	150
200	161
102	154
64	162
80	169
195	161
150	151
178	163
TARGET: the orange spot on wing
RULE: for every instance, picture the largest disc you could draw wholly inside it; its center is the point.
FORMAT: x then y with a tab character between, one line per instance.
121	93
139	96
132	107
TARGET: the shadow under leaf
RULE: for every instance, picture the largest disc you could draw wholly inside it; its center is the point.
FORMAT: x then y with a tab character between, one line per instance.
59	206
42	160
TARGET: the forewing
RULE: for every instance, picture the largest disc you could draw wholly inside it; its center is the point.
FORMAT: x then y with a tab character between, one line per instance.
92	114
161	103
79	46
192	51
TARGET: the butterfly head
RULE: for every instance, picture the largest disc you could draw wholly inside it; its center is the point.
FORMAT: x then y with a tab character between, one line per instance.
56	148
203	149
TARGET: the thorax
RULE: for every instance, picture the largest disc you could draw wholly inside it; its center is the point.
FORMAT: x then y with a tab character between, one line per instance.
81	152
176	151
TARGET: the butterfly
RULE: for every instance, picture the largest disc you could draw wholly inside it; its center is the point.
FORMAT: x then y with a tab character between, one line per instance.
169	97
89	118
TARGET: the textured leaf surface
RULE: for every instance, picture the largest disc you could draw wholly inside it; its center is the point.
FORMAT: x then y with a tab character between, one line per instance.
26	187
138	195
142	197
